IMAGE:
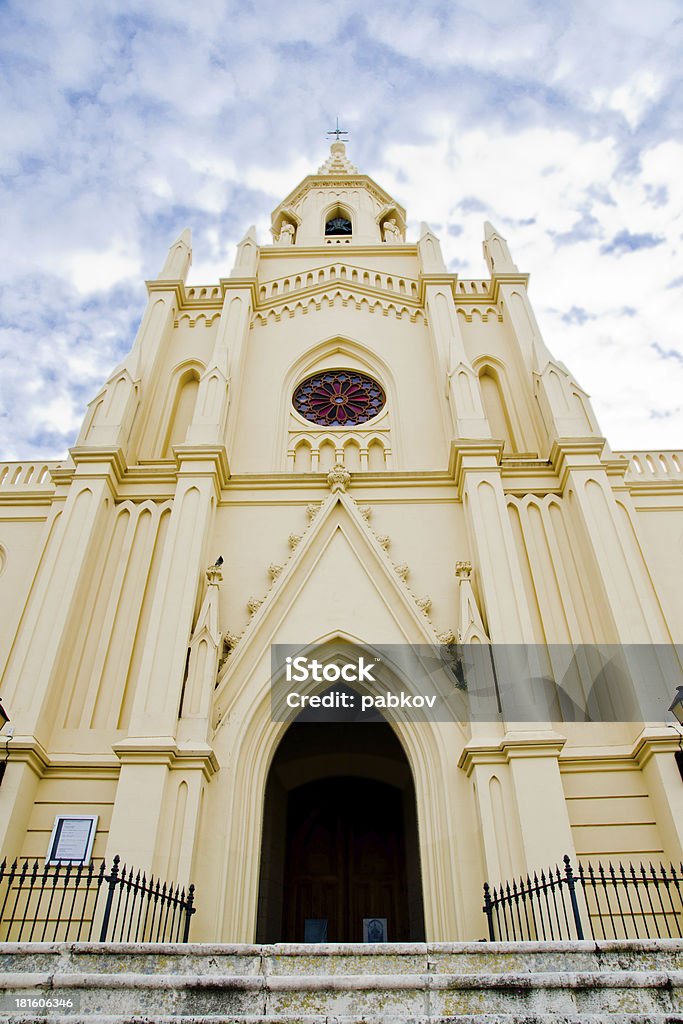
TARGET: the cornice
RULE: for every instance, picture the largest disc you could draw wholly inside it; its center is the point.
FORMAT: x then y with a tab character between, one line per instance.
111	460
498	280
655	740
28	750
568	454
39	498
165	751
654	488
450	282
652	740
376	249
325	181
513	745
318	481
176	287
237	284
478	452
197	456
62	475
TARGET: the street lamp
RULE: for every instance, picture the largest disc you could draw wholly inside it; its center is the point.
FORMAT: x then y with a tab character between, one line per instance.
676	709
677	705
4	719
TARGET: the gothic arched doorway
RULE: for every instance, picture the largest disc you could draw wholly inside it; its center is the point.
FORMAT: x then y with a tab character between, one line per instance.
340	842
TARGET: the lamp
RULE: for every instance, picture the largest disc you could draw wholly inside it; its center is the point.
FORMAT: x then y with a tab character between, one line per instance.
677	705
4	719
676	709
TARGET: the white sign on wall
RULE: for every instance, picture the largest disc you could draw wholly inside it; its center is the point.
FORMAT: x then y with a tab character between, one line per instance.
72	838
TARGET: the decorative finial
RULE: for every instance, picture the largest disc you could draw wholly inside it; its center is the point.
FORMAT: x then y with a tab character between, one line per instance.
339	477
214	576
338	132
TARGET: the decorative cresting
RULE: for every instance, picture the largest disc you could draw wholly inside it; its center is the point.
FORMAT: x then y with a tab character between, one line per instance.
339	398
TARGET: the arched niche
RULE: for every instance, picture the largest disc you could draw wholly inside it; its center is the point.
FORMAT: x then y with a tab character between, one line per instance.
182	410
496	406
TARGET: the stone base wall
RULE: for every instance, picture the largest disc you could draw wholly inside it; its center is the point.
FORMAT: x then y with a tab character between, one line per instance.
463	983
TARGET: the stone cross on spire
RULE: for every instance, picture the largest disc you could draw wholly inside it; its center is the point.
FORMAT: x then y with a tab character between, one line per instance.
338	132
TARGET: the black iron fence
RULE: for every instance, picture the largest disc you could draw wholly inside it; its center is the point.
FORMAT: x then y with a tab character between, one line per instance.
643	902
75	902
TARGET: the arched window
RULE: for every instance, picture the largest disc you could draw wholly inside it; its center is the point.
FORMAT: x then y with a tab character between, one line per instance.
338	225
338	222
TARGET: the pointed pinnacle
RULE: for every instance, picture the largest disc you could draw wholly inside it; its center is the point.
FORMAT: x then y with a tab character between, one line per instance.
184	238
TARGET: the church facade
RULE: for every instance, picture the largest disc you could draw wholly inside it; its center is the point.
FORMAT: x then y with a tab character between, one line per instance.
380	453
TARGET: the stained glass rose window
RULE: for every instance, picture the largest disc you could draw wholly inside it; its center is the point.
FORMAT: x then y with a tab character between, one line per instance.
339	398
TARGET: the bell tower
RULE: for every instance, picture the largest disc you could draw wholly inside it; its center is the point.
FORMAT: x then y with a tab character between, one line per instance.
338	206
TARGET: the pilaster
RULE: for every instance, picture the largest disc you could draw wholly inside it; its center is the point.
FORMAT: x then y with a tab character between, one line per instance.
541	834
213	421
475	467
153	744
451	363
33	681
654	753
620	566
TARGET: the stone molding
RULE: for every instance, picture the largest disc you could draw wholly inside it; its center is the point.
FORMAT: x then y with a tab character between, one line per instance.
511	746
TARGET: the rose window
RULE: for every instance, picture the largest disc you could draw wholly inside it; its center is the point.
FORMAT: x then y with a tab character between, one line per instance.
339	398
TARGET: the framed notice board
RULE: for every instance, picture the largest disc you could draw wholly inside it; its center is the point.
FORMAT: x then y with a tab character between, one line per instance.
72	838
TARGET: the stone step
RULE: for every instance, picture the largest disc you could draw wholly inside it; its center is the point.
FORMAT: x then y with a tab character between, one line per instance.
485	1018
403	997
571	983
352	958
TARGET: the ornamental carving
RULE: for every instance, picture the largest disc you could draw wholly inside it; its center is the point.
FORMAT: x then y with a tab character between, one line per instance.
338	478
339	398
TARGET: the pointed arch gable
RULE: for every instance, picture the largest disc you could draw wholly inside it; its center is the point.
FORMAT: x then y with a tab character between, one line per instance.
339	515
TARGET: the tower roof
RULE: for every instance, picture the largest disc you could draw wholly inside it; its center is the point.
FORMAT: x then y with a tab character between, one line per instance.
337	162
337	171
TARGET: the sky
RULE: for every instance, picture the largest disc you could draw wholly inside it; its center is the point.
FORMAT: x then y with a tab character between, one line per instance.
122	123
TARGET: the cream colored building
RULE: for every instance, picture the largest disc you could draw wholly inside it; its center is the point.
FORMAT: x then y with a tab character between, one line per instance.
138	683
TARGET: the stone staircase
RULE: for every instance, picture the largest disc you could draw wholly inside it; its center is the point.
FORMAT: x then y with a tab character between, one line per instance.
460	983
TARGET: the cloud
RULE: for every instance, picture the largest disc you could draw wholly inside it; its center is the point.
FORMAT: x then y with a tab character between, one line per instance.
624	241
123	123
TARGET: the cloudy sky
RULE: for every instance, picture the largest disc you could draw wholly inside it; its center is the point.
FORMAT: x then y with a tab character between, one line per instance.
124	122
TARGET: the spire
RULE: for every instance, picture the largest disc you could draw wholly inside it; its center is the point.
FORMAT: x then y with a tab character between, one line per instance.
246	260
179	258
429	251
497	252
338	162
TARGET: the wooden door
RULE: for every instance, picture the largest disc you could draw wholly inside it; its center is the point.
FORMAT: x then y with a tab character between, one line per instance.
345	859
